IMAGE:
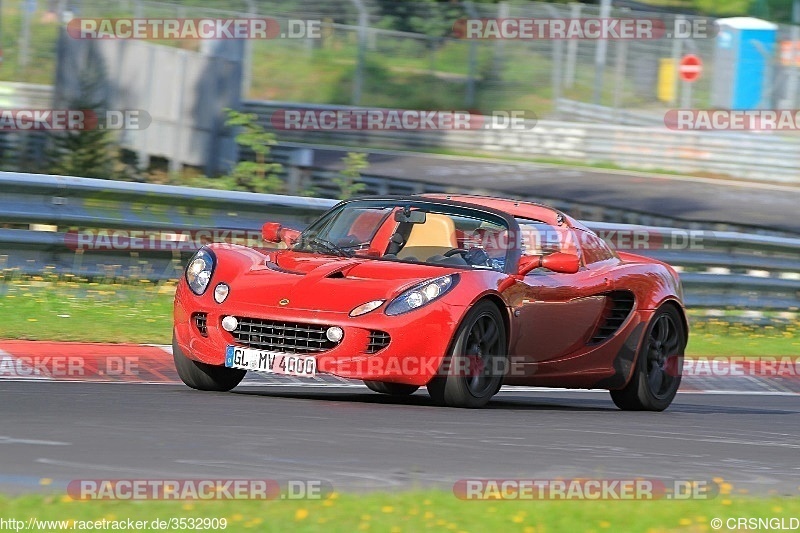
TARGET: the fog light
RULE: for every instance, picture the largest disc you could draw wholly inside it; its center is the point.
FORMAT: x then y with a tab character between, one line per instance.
221	292
334	334
229	323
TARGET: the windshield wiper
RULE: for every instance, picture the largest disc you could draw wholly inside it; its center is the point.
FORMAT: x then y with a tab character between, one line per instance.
327	246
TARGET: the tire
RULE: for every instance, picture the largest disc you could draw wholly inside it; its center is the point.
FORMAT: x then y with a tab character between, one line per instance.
659	365
202	376
473	370
392	389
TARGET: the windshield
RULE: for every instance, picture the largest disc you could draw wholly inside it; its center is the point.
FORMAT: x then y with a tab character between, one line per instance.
415	231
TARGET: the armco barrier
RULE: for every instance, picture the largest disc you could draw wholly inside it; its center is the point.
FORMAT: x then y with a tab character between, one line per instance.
727	269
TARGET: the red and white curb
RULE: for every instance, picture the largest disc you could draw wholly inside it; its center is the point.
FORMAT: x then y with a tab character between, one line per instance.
152	364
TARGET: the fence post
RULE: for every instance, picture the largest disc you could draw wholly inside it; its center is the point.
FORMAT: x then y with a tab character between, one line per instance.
358	77
600	55
472	60
572	49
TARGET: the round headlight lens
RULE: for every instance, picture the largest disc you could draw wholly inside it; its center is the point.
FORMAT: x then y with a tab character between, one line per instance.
415	299
432	291
221	292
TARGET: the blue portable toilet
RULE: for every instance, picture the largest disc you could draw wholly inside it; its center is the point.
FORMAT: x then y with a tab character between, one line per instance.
744	48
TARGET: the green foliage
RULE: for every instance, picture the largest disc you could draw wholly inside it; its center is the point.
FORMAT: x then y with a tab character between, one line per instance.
254	176
91	152
349	186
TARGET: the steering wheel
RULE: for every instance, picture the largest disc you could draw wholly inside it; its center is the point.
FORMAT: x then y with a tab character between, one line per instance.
454	251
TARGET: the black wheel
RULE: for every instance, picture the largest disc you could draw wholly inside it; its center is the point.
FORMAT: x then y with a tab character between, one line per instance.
202	376
473	371
659	365
393	389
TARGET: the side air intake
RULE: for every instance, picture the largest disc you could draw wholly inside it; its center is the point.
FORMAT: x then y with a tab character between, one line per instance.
619	305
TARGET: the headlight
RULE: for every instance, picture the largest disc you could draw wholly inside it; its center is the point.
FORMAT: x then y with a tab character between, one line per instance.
199	270
421	295
368	307
221	292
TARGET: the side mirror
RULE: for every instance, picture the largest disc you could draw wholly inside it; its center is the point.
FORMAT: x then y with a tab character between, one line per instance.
274	232
561	262
271	232
557	262
528	263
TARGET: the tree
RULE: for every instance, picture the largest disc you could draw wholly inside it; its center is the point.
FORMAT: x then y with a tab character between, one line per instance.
349	186
259	175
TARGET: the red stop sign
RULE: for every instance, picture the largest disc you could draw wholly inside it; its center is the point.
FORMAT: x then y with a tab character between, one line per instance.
690	67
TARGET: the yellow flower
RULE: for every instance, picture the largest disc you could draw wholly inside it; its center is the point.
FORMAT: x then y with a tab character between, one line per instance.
685	522
726	502
428	515
301	514
605	524
45	481
387	509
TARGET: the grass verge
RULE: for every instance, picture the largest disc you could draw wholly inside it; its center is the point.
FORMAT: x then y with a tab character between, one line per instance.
419	510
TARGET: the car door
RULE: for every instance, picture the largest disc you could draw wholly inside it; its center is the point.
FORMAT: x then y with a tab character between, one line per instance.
556	312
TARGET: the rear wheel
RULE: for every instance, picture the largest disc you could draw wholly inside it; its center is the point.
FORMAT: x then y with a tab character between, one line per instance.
473	371
393	389
202	376
657	374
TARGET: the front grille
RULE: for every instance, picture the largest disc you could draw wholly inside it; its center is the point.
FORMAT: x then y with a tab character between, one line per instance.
279	336
201	323
378	340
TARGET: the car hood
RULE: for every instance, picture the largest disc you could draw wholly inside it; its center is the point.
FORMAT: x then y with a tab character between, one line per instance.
326	283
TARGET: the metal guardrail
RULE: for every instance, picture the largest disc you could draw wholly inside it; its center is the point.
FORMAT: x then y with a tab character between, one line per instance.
756	156
727	270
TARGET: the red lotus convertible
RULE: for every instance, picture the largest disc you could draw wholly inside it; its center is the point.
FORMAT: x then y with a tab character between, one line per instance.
460	294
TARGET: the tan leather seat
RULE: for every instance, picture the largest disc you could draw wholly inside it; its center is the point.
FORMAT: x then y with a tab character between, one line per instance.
436	236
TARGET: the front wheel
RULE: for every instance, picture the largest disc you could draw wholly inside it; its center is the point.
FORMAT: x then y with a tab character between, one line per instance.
202	376
657	374
473	371
392	389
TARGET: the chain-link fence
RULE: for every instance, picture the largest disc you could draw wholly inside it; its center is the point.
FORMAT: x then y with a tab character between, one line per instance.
406	55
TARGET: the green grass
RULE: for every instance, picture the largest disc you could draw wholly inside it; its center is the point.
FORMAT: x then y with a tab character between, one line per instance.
135	311
419	510
68	309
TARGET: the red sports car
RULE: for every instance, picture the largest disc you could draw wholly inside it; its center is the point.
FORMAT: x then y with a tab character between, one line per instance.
460	294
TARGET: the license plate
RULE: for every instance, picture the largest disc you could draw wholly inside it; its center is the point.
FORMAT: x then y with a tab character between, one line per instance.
271	362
